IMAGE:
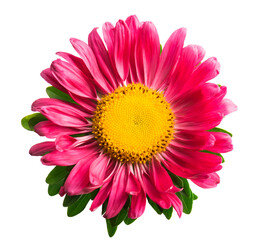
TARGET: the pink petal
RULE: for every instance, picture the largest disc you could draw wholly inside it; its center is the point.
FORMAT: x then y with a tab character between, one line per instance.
133	186
148	52
51	130
102	195
185	66
122	49
89	59
207	181
102	58
227	106
78	178
64	142
98	170
108	31
205	71
87	104
158	197
75	61
160	176
71	156
223	143
199	122
73	79
176	203
61	113
118	196
48	76
169	57
138	204
193	140
40	149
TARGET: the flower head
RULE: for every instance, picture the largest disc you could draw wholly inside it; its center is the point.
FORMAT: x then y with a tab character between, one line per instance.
132	121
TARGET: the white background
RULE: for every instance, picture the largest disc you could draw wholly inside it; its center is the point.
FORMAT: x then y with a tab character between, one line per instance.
32	31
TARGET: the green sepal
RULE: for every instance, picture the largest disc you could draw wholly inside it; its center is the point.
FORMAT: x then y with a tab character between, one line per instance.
78	206
69	200
155	206
57	94
168	212
53	189
57	174
176	180
28	122
218	154
220	130
110	228
186	196
160	48
129	221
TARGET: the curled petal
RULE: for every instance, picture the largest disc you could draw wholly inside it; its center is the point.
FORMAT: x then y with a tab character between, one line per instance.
40	149
133	186
207	181
222	144
138	204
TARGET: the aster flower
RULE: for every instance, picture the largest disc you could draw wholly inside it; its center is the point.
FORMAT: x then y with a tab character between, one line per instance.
131	122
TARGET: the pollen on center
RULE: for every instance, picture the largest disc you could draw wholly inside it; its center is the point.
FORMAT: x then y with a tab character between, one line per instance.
133	123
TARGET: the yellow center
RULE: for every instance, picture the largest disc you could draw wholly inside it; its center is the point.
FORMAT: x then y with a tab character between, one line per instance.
133	123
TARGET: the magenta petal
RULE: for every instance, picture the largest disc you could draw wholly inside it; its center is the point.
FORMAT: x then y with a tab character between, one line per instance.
90	61
102	195
87	104
48	76
108	31
133	186
161	178
223	143
61	113
98	169
158	197
73	79
227	106
207	181
176	203
205	72
40	149
78	178
149	50
75	61
64	142
138	204
122	49
118	196
102	56
71	156
169	57
52	130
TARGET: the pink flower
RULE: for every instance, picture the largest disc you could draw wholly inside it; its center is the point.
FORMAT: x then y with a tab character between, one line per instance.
139	115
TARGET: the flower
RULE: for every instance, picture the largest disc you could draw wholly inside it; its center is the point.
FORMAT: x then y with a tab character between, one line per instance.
134	118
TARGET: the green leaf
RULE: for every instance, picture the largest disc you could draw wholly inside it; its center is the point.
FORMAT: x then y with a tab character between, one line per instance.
28	122
57	174
168	212
94	193
57	94
115	221
186	196
160	48
129	221
104	207
69	200
53	189
156	207
220	130
176	180
195	197
218	154
111	230
78	206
